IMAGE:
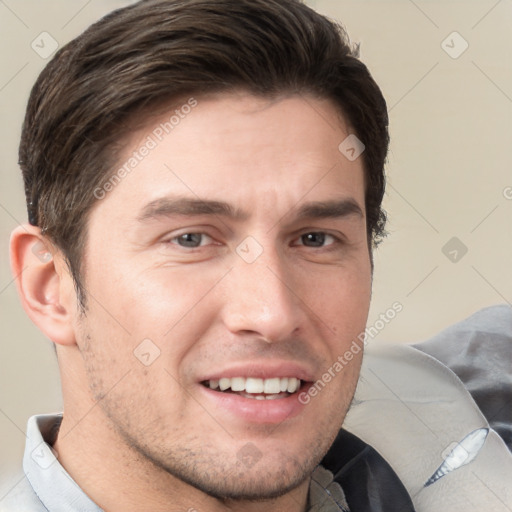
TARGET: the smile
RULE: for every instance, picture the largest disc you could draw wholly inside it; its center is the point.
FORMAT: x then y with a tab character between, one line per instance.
255	388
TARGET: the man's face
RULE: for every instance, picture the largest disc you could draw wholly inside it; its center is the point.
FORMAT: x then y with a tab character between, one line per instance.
234	251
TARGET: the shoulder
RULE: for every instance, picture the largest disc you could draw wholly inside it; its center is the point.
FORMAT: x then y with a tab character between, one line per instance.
487	332
417	407
479	350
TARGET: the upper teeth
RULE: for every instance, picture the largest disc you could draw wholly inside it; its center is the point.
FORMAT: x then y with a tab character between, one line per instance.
251	385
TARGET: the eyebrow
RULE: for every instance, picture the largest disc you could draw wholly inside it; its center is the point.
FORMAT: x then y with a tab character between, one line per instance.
167	207
330	209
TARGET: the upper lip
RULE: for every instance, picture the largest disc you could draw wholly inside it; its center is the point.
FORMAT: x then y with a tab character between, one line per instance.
262	370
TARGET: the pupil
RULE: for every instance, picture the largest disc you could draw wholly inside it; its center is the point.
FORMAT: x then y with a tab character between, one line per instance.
190	240
314	239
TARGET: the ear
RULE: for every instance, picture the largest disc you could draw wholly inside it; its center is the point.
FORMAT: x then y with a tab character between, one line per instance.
44	283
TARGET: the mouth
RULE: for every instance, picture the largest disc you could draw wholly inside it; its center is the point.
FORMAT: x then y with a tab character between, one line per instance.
275	388
258	392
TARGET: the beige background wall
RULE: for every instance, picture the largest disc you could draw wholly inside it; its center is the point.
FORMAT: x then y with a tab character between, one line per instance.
450	170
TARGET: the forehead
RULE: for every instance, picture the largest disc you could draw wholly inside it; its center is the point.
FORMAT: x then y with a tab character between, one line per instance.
241	149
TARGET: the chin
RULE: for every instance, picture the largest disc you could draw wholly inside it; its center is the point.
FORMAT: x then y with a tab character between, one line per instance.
240	471
252	484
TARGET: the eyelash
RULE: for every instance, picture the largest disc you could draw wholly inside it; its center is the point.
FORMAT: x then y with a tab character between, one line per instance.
336	240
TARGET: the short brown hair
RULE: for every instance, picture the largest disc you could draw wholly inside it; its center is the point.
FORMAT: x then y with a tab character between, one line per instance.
158	50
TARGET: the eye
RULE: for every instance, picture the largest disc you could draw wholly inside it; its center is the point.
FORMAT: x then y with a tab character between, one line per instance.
191	240
317	239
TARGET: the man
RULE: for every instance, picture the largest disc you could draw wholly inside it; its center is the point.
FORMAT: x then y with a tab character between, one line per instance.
204	183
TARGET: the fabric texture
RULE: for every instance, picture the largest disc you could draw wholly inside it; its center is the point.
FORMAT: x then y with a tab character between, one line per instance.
46	486
479	351
368	481
420	417
325	495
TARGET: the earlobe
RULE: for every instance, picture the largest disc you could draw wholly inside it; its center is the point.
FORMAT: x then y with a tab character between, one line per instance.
44	284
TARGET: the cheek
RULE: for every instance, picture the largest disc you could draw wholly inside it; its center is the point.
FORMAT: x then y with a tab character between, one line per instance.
342	300
153	318
343	312
154	300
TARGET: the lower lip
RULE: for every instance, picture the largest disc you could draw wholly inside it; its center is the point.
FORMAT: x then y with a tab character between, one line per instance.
252	410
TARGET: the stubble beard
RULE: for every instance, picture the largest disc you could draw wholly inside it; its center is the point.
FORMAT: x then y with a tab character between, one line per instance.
172	454
222	474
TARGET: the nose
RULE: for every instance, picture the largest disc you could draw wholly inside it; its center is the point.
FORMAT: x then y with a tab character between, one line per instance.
261	300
